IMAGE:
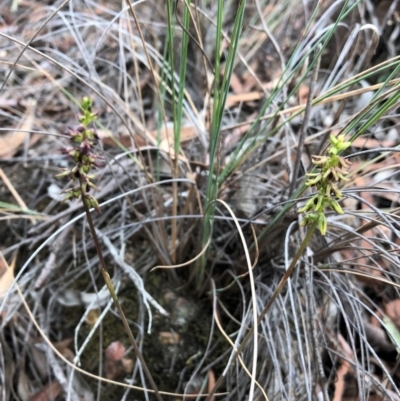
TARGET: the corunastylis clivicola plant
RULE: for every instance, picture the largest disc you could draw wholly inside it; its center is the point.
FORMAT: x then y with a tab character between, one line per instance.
84	160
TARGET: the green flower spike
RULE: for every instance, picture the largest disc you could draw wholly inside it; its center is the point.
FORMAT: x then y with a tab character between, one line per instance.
331	170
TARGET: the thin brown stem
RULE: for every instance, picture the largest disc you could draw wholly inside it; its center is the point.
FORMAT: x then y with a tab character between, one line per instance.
111	289
267	307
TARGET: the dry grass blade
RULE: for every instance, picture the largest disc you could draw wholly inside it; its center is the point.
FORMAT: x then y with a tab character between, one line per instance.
189	262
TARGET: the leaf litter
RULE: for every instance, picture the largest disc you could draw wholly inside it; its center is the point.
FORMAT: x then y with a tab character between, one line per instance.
33	100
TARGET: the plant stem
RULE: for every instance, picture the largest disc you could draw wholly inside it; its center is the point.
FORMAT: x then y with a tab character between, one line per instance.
267	307
111	289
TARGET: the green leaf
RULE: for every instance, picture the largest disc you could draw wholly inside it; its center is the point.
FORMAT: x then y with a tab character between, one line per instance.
16	208
393	331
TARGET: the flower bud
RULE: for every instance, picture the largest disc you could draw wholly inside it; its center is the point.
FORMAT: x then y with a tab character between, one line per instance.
86	103
322	223
335	206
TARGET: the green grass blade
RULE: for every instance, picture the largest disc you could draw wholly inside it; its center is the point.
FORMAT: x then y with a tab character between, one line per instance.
221	89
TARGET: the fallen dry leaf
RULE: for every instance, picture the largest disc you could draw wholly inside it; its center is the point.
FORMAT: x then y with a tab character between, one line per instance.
211	382
242	97
48	392
343	369
377	338
62	345
10	142
235	84
38	357
24	385
368	143
232	139
392	309
303	94
384	396
364	249
166	134
6	275
249	82
391	195
14	192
